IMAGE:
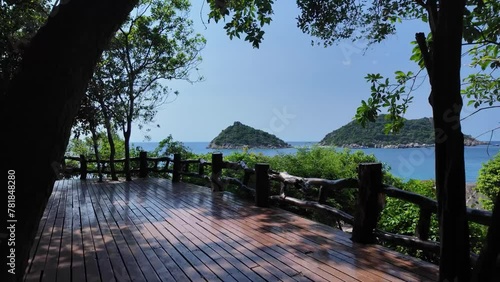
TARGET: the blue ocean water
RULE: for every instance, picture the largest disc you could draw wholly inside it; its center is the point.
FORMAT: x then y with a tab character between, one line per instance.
411	163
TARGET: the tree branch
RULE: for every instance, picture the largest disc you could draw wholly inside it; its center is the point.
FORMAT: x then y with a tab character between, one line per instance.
424	49
478	110
492	130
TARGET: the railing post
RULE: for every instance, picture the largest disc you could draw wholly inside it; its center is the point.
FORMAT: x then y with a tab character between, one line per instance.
323	195
369	203
201	168
424	223
83	167
217	164
63	167
143	164
176	175
103	166
262	185
246	178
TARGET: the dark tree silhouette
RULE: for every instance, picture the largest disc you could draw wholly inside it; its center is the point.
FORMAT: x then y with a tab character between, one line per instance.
42	100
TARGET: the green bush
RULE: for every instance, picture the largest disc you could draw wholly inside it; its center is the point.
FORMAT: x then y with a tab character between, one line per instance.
169	146
488	182
84	146
322	162
401	217
327	163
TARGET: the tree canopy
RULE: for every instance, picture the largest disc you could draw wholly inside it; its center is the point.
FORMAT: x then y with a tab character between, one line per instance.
156	44
19	21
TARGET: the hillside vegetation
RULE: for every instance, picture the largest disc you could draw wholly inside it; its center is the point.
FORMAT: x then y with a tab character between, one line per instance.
239	135
415	133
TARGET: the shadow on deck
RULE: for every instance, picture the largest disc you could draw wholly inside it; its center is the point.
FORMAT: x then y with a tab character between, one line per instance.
154	230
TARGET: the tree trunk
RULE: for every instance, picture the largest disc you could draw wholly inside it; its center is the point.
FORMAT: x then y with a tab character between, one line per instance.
126	166
47	91
109	133
487	267
112	154
112	148
95	143
446	101
127	131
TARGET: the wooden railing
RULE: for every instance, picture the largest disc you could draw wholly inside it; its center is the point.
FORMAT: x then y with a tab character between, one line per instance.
176	167
146	165
369	205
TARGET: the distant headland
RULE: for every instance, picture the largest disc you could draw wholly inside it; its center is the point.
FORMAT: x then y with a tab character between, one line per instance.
239	136
415	133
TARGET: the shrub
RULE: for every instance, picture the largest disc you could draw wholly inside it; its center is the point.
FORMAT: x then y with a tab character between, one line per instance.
488	182
327	163
401	217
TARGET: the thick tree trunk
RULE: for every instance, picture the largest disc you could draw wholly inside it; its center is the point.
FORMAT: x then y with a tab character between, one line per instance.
47	92
487	267
446	103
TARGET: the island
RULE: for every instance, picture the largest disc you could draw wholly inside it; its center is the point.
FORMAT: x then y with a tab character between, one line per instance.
238	136
414	134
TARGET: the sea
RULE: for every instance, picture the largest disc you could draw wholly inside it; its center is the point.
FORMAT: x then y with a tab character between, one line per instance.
407	163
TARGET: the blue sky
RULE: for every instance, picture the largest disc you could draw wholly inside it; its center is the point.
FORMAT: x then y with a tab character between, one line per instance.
287	87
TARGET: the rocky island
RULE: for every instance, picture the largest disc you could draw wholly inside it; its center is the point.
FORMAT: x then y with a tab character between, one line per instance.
414	134
239	136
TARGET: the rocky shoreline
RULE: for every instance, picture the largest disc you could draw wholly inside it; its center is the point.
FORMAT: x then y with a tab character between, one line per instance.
387	146
233	146
468	143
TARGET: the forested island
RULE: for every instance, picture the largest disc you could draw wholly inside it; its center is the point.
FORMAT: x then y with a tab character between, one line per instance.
415	133
238	136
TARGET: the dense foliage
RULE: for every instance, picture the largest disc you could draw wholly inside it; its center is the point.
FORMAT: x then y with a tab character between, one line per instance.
326	163
488	182
239	135
83	146
401	217
19	21
156	44
415	131
169	146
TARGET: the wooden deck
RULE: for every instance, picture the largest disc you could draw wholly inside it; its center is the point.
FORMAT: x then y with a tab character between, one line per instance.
153	230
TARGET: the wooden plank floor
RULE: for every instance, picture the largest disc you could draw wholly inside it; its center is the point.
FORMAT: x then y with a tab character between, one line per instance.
153	230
